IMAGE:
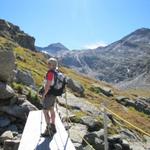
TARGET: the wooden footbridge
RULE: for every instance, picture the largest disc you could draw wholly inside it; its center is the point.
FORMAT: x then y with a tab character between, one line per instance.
35	125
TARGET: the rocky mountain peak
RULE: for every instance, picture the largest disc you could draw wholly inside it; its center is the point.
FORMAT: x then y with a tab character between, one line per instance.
140	35
58	46
54	49
13	32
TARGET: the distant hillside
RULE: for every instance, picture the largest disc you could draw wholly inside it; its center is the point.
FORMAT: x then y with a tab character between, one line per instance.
55	49
123	60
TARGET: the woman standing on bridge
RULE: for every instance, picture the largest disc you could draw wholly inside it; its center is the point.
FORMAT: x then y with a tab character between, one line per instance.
48	100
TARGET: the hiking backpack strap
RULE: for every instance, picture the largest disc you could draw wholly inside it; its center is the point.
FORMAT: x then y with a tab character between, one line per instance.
55	76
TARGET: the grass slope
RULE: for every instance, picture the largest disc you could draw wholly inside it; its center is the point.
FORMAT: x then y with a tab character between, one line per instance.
36	63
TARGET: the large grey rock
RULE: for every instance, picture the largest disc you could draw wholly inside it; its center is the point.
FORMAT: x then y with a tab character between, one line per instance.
75	135
147	139
121	98
20	111
7	64
142	105
6	92
6	135
11	144
127	134
107	91
4	121
95	139
79	103
75	86
138	146
24	77
93	125
117	142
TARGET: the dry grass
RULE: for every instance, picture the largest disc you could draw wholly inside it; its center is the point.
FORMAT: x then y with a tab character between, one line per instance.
36	63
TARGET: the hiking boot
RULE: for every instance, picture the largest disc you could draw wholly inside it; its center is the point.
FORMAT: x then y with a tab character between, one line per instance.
46	132
53	128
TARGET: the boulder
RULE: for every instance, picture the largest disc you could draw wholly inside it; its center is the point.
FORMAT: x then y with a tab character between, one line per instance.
106	91
147	139
118	146
121	98
127	134
6	135
11	144
95	139
125	144
24	77
93	125
6	92
142	105
75	135
20	111
4	121
75	86
79	103
7	64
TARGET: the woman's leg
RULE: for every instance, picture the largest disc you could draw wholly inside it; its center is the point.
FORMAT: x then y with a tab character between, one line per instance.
52	112
47	116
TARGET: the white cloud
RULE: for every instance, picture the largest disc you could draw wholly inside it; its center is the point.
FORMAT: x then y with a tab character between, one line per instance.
95	45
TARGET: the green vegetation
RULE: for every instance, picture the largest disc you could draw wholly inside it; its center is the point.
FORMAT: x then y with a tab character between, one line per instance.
36	63
18	87
33	62
33	97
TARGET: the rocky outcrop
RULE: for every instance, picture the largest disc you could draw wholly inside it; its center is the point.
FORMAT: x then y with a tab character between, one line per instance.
75	86
96	139
12	121
20	109
102	90
117	143
140	104
76	136
24	77
13	32
7	64
78	103
91	123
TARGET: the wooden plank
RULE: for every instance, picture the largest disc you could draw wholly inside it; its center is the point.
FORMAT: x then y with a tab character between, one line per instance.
31	135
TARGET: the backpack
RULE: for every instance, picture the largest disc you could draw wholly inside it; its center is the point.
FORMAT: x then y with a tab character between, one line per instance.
60	81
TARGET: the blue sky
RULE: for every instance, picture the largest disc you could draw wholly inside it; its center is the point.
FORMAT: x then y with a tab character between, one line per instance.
77	23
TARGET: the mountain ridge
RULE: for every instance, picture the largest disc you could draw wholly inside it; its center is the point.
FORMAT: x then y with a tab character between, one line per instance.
122	60
54	48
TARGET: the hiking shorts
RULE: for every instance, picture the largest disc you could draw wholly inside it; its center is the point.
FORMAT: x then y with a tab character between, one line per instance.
49	101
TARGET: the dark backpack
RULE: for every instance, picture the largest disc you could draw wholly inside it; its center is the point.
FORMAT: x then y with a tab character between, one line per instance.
60	82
